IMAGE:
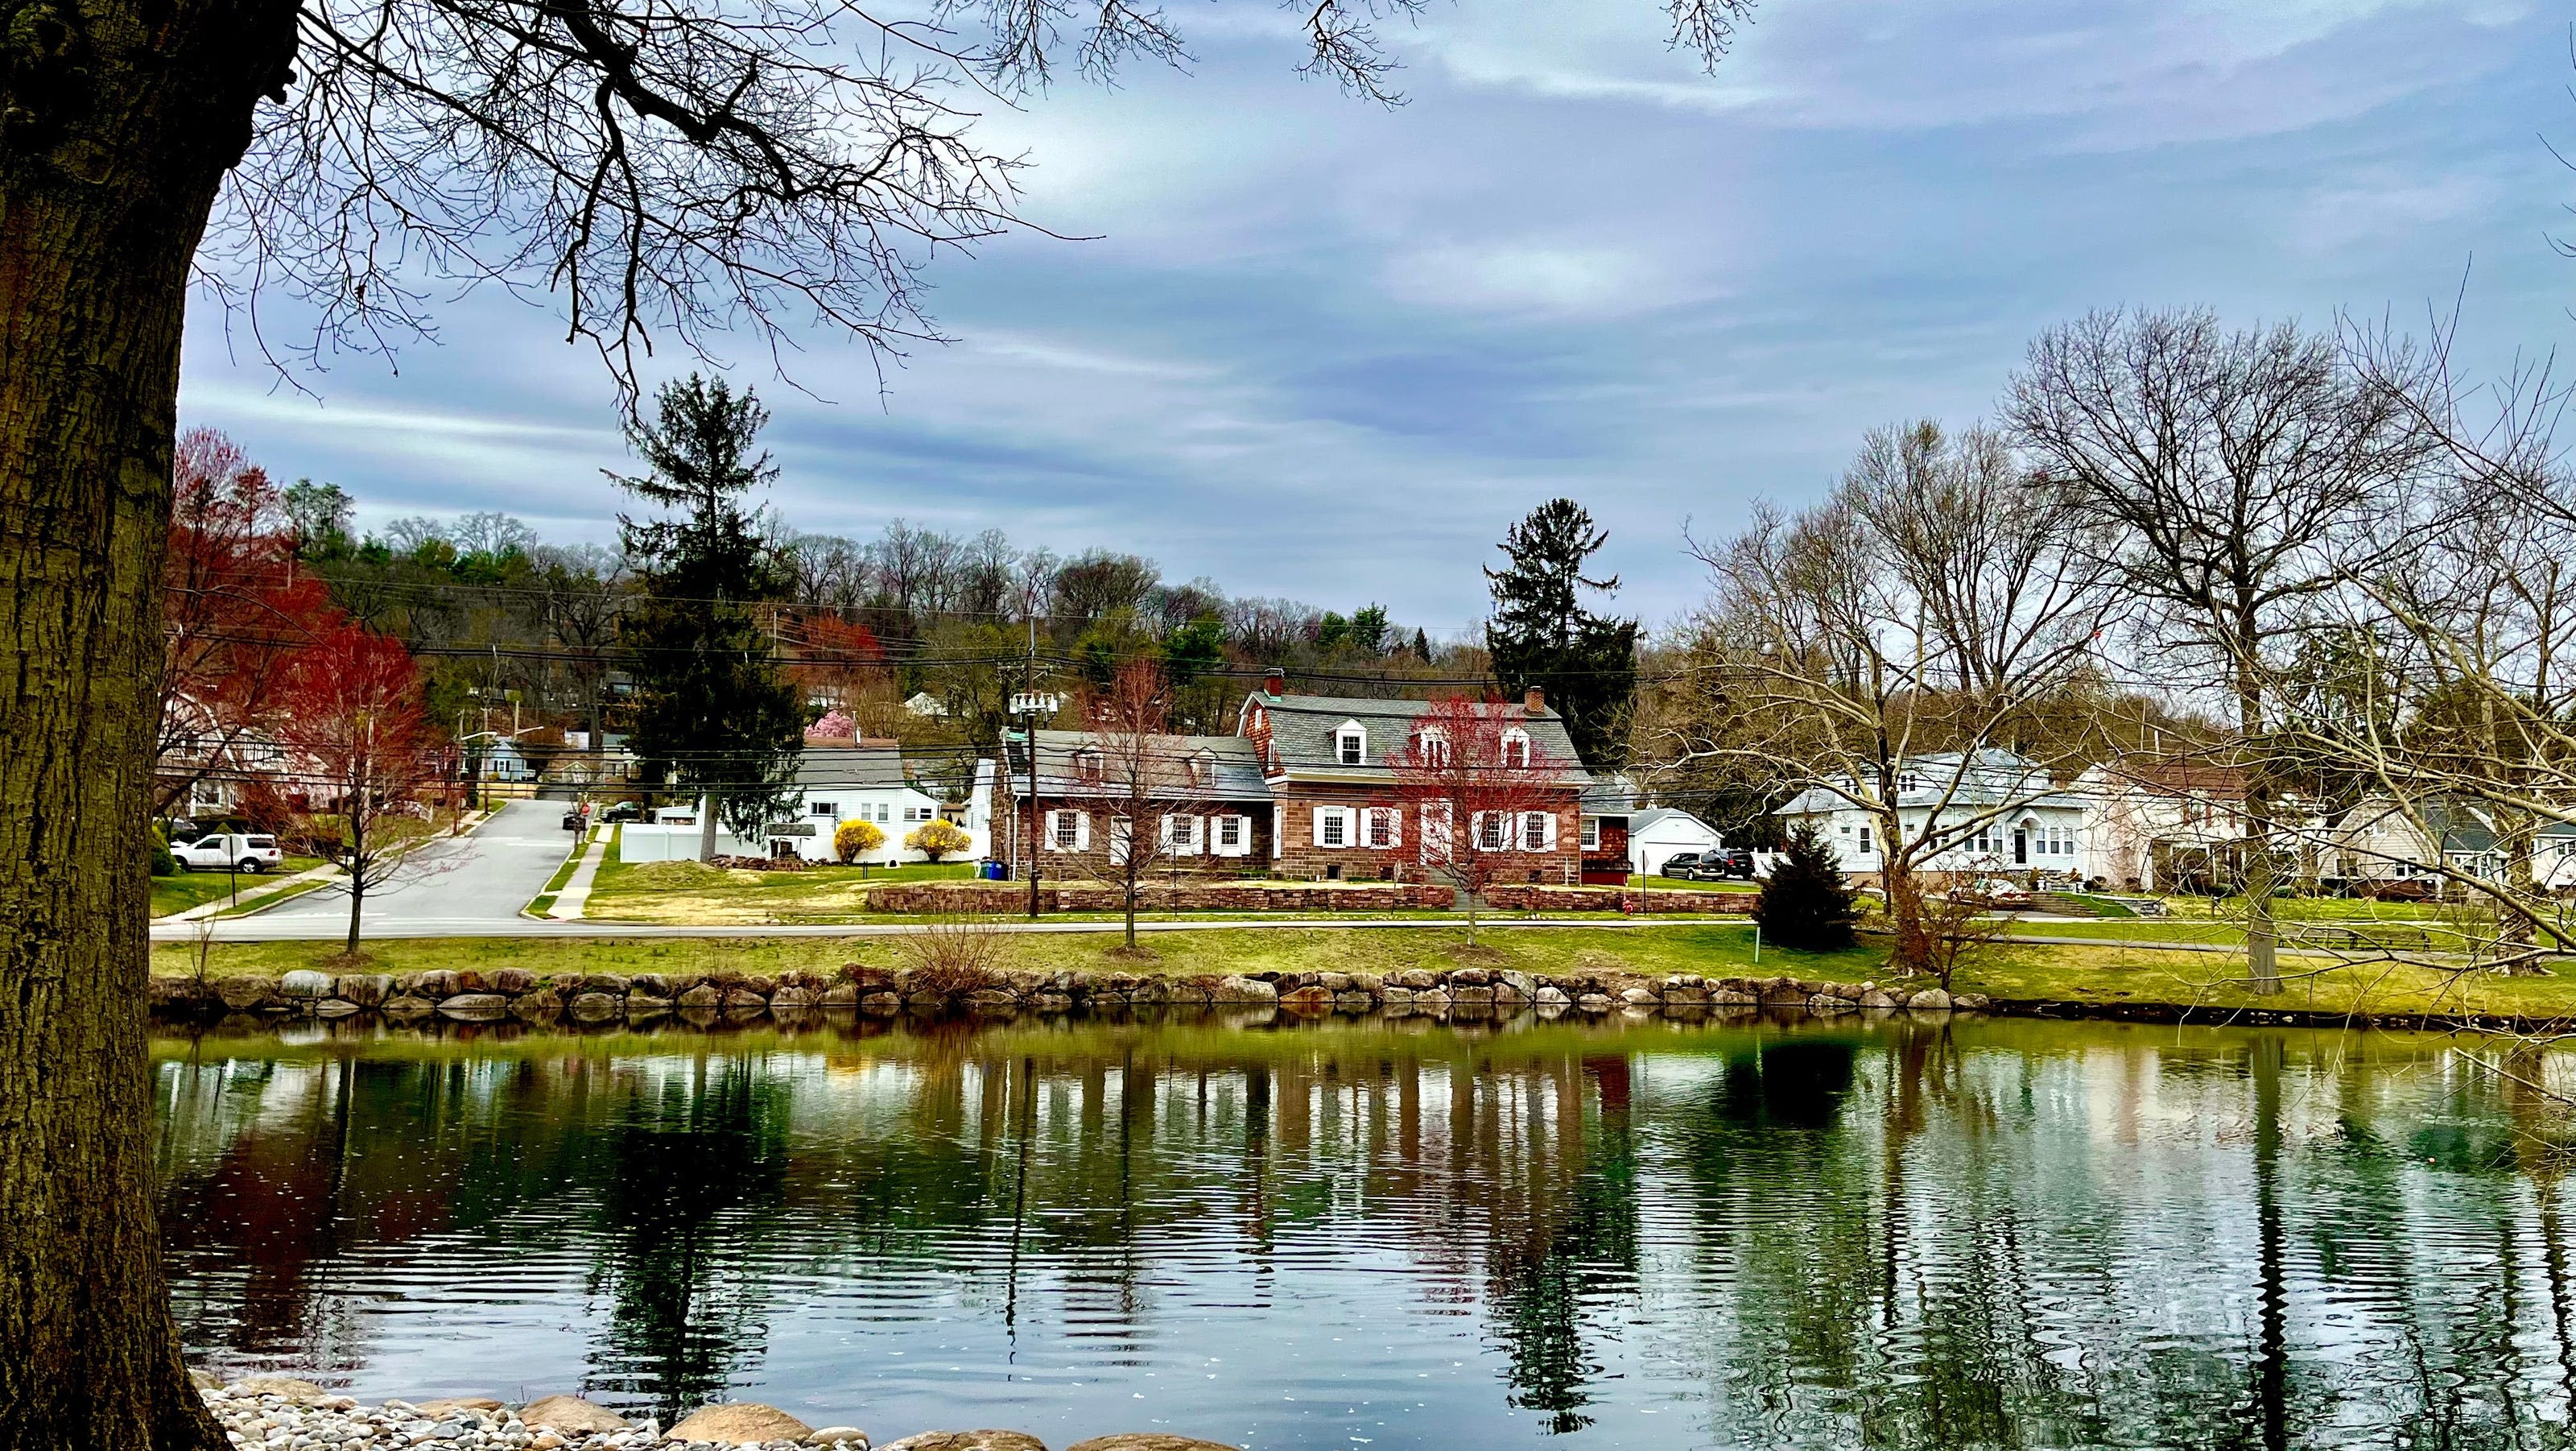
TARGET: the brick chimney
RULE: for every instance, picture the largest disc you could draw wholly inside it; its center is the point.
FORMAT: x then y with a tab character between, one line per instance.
1535	700
1275	683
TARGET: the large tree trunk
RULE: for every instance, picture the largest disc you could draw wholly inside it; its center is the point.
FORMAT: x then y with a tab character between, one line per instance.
117	122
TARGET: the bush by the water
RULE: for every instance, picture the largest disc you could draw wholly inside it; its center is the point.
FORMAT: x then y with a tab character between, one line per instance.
1804	903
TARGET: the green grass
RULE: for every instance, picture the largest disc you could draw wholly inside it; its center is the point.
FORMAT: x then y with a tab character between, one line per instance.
283	894
194	889
1676	884
2211	985
1659	948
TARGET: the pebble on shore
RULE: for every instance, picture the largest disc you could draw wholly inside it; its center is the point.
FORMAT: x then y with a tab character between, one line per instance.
281	1413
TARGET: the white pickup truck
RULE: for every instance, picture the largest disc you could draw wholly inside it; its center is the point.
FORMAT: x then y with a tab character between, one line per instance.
225	851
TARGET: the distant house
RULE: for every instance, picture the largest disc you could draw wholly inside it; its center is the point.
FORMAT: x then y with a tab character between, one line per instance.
923	703
1332	816
1991	812
1205	796
1609	811
835	784
1657	834
2162	824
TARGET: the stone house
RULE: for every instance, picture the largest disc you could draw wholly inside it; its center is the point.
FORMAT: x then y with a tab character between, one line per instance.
1206	795
1334	814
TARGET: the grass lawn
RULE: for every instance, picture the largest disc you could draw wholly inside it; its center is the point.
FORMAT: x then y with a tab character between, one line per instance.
691	892
1661	948
189	889
1676	884
2107	976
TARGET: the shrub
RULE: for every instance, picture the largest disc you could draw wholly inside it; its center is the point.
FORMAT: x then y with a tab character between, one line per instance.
854	839
1804	903
163	864
951	954
937	839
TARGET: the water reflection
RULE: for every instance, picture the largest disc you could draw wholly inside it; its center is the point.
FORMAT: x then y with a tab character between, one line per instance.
1893	1234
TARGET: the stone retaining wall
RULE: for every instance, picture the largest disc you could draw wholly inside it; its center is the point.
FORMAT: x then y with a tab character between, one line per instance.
1615	899
1004	898
517	995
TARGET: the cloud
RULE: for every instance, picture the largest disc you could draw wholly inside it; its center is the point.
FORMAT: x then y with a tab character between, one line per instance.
1325	349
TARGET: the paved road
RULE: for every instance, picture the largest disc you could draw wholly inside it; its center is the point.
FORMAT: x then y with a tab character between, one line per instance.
468	886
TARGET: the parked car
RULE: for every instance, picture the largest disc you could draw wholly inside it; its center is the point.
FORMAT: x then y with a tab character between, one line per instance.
1732	862
228	851
623	811
2001	894
1685	866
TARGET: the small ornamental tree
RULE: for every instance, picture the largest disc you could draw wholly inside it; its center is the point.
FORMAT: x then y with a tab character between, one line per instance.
1480	792
369	755
1804	903
854	839
937	839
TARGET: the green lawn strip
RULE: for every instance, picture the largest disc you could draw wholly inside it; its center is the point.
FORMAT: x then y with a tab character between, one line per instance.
287	893
188	889
1676	884
1660	948
2214	984
563	874
541	904
2210	985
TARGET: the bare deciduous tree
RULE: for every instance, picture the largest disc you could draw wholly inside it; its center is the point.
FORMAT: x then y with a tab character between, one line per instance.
2240	476
1888	647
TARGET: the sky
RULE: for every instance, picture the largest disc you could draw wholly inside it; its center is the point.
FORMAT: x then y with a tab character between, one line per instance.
1310	346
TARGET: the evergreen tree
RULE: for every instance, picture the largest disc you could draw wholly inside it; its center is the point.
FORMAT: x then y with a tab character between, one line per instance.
1804	903
714	713
1421	645
1542	635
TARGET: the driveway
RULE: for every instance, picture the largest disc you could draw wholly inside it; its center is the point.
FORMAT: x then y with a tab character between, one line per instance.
461	886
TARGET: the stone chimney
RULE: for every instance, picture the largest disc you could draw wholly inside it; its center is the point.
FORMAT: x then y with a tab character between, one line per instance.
1535	700
1275	683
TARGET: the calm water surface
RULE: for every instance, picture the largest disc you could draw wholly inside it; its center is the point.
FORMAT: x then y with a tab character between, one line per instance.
1980	1234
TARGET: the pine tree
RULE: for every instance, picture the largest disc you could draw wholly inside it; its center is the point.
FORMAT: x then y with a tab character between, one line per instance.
714	713
1804	903
1542	635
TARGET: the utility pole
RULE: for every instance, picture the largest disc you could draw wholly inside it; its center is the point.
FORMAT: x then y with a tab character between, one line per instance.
1029	738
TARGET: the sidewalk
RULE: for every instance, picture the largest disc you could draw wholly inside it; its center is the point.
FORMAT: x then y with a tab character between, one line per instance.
575	892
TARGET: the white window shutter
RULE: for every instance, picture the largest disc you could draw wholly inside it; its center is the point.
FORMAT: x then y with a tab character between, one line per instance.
1321	814
1278	830
1547	831
1394	825
1082	831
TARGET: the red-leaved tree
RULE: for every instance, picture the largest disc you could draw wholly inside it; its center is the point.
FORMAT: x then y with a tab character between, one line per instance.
367	755
236	611
1482	794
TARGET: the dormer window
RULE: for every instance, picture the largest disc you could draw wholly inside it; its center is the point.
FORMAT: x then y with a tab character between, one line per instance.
1202	768
1350	744
1086	767
1516	749
1431	747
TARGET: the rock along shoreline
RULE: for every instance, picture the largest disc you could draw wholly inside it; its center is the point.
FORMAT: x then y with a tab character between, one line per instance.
1462	995
281	1413
707	999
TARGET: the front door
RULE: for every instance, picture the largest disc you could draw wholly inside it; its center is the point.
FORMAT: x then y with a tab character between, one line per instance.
2021	847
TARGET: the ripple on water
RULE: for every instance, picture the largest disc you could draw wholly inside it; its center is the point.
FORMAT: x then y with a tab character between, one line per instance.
1990	1234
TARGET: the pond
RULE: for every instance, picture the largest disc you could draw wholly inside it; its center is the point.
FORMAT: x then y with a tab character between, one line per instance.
1989	1233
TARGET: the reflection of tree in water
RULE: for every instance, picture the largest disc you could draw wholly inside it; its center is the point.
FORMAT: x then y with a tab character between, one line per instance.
1586	1248
694	1186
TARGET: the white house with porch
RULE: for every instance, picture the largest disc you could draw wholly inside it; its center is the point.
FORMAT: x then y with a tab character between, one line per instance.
836	784
1991	812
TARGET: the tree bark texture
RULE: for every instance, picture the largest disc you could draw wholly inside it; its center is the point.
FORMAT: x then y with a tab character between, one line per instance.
118	120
